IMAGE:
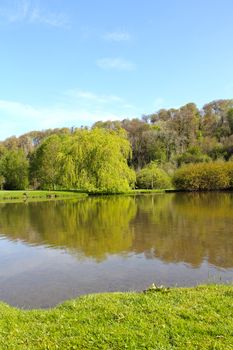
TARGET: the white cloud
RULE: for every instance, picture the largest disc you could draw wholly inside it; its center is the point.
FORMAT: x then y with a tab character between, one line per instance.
17	118
117	36
28	11
115	63
90	96
13	107
51	19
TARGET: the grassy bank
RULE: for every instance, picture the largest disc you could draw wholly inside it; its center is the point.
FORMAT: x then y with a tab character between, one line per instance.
131	192
24	196
190	318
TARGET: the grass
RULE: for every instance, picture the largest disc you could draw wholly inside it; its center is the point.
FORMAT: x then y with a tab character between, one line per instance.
180	318
31	195
24	196
131	192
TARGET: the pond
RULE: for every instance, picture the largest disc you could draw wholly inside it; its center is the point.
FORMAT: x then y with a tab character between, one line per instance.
53	251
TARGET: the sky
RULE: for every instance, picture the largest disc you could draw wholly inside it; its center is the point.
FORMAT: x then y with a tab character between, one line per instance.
67	63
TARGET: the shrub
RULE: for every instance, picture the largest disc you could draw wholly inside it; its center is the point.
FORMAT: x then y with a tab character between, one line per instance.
152	177
204	176
229	167
192	155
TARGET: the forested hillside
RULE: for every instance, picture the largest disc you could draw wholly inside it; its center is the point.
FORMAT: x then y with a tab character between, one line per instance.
106	156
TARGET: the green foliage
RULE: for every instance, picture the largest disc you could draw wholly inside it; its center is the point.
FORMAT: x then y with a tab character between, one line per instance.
2	181
204	176
152	177
45	166
218	152
230	119
192	155
229	169
14	170
88	159
92	160
183	318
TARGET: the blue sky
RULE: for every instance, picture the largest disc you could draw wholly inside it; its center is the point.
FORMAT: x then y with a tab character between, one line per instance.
72	62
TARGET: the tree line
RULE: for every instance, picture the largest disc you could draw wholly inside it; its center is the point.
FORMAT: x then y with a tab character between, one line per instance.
110	155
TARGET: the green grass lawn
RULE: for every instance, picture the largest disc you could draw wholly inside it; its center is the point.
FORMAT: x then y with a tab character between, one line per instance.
22	196
189	318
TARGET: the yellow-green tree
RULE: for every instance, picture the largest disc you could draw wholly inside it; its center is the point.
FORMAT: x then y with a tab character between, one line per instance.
152	177
93	160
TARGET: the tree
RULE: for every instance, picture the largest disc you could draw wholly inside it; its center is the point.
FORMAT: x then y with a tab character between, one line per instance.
45	166
14	170
109	124
192	155
230	119
100	160
186	123
93	160
136	129
152	177
215	121
2	182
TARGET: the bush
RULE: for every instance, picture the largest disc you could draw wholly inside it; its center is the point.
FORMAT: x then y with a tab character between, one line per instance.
152	177
192	155
204	176
229	167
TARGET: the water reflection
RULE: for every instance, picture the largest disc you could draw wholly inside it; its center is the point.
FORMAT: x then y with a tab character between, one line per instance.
94	228
188	228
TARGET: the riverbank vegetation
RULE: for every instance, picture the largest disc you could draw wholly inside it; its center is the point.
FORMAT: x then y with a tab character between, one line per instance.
152	177
28	196
179	318
116	156
204	176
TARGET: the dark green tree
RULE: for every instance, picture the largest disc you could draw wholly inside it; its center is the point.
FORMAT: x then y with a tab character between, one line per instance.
230	119
14	170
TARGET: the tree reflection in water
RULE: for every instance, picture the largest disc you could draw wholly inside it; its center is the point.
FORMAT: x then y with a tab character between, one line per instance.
183	227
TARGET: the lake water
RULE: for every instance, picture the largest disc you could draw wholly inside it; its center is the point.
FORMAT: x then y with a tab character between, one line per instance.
53	251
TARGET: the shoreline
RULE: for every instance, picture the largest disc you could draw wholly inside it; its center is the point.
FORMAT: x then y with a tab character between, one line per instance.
27	196
38	196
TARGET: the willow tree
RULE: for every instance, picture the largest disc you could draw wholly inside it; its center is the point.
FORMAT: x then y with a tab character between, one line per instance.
93	160
97	160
